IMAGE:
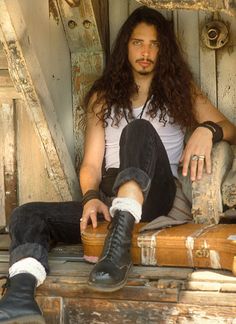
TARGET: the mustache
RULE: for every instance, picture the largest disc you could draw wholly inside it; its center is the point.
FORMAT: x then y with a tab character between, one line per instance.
145	60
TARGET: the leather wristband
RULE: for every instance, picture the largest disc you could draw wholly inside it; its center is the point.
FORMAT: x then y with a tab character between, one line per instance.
216	130
90	194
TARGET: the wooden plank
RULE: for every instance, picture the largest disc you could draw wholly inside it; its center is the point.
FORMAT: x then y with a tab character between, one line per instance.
2	183
207	298
26	71
80	26
113	311
7	120
187	34
9	93
85	70
227	6
52	308
3	59
35	177
101	12
118	13
4	242
208	64
226	60
5	80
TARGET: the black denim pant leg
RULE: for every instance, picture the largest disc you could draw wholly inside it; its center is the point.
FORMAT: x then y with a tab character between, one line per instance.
34	225
143	158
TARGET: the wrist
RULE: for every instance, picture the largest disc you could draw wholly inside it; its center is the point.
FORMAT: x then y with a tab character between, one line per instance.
217	131
89	195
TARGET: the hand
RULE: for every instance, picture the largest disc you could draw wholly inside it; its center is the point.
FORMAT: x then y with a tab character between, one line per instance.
91	208
199	144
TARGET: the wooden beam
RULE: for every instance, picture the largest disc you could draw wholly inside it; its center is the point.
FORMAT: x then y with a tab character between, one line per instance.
87	32
227	6
26	73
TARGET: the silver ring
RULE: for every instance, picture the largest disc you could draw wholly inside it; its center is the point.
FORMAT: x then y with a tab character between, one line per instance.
81	220
201	157
194	157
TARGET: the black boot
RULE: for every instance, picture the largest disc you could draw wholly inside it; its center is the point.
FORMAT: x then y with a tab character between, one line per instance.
111	271
18	304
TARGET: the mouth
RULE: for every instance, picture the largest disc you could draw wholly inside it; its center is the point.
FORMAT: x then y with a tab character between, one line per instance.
144	63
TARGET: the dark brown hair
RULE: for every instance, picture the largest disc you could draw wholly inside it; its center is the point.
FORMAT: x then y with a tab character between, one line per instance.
171	90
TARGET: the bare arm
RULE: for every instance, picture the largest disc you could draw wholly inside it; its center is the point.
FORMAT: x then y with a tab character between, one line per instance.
200	142
91	168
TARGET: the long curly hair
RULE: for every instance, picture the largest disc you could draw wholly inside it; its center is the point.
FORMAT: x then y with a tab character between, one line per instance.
172	90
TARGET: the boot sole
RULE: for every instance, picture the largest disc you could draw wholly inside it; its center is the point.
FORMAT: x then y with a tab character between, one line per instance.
33	319
108	288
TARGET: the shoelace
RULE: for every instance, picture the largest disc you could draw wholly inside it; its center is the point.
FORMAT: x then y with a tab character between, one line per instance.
6	284
114	239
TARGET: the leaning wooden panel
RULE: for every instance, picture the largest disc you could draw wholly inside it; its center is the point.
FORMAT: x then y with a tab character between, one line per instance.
35	181
28	77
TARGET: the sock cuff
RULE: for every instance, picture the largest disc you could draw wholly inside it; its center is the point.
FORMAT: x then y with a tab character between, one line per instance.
127	204
29	265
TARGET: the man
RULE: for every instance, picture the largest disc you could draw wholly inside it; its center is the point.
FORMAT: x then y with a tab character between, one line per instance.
137	115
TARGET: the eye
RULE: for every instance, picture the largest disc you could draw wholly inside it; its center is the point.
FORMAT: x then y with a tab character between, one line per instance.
155	45
137	42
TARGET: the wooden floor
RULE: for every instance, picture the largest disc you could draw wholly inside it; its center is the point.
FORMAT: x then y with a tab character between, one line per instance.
152	294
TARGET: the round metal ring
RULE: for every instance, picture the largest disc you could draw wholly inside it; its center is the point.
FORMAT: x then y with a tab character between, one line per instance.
201	157
194	157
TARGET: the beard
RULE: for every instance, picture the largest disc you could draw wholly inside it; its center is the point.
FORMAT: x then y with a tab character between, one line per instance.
144	72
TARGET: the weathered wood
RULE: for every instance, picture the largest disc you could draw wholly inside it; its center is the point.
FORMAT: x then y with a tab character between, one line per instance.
4	242
206	194
32	163
113	311
207	64
101	12
7	125
82	25
85	70
52	308
226	72
187	29
27	75
2	185
227	6
229	186
3	59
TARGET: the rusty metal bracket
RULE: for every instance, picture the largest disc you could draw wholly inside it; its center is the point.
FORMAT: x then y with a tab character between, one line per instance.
215	34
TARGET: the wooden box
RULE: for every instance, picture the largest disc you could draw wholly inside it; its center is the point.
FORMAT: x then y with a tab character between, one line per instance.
188	245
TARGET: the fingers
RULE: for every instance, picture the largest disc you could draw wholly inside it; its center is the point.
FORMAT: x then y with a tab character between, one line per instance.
106	213
90	213
196	165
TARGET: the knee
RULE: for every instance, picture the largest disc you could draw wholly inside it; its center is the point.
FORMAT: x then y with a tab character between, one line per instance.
22	215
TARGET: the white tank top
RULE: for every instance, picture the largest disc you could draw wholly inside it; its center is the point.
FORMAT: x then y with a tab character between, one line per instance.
171	135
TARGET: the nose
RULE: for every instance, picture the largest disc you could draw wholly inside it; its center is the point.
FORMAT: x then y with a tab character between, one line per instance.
145	51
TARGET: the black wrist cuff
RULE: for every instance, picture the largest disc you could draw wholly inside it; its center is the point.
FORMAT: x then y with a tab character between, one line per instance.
216	130
90	194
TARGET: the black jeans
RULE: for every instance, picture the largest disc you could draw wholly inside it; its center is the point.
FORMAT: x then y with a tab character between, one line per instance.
143	158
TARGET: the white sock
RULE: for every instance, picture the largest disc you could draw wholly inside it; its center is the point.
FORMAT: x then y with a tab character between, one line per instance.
29	265
127	204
